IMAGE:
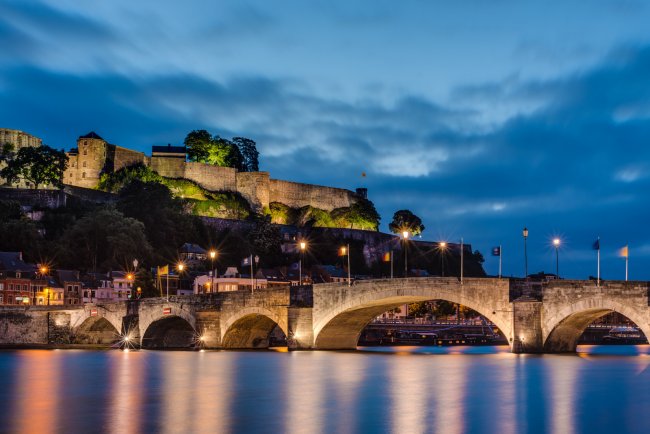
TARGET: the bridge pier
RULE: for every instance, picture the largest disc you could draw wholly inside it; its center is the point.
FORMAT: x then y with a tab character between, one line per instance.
59	328
527	336
301	328
208	328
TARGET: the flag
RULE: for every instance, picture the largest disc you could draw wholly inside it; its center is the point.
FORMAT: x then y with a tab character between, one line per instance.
163	270
386	257
246	261
596	245
496	251
623	252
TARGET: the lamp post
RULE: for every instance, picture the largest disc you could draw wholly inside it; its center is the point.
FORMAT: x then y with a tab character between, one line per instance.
525	234
47	291
556	244
129	277
443	246
303	246
213	255
345	251
43	271
405	235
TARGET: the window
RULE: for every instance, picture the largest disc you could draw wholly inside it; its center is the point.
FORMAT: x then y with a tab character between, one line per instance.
11	287
25	288
17	274
83	175
68	288
84	164
2	286
85	151
1	299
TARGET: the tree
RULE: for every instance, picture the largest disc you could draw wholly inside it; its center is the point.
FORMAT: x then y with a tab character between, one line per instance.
266	241
39	165
364	215
6	151
215	150
198	144
105	239
405	220
248	149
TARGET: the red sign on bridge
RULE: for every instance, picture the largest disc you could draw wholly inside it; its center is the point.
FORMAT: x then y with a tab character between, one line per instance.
167	310
93	311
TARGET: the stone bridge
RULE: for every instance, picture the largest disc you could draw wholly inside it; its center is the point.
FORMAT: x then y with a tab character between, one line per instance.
546	318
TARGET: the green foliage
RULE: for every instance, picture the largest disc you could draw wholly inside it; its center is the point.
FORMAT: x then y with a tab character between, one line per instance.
114	182
198	144
226	205
10	209
6	151
105	239
38	165
282	214
405	220
215	150
248	149
361	215
265	240
199	201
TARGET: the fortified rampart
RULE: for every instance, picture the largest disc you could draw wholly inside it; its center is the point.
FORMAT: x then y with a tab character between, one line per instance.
94	157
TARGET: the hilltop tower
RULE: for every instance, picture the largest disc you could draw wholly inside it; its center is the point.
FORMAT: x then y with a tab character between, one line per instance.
87	162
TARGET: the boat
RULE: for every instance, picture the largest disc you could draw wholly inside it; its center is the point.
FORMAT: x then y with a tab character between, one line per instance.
624	335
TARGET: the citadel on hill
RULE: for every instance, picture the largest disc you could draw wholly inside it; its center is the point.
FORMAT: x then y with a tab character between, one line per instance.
94	159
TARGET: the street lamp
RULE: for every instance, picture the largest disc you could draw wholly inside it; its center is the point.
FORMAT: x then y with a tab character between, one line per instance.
443	246
47	291
303	246
213	255
525	234
556	244
405	235
345	251
43	271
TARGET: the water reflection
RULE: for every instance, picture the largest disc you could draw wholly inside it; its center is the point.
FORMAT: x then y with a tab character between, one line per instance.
411	390
38	385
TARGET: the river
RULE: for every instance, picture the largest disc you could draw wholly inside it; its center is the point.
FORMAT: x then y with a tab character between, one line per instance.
375	390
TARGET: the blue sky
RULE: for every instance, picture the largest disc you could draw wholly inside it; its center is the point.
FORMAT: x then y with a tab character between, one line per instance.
480	117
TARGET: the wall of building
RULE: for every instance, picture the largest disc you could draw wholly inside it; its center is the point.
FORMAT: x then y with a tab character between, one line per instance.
297	195
18	138
124	157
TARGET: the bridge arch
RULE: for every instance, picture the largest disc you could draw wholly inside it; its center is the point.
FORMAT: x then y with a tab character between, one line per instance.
251	328
341	326
170	331
563	329
96	330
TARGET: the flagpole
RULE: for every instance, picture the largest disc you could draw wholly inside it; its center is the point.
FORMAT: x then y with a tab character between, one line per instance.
627	258
598	276
252	282
168	282
500	255
461	259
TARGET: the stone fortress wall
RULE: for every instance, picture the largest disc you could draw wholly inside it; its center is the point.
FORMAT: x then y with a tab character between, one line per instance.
18	139
95	156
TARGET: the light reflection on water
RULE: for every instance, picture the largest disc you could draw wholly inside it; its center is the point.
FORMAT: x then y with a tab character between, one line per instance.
403	390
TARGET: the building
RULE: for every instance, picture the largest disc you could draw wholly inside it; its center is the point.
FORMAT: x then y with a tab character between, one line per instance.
205	284
16	279
71	284
192	254
18	139
94	156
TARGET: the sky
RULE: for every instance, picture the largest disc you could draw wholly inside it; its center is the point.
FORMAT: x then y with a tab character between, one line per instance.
481	117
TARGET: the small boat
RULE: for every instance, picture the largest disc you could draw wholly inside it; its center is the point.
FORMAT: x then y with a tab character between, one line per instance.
624	335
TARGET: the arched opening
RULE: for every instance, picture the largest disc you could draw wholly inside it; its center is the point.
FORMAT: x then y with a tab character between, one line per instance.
171	332
254	331
97	331
387	321
597	326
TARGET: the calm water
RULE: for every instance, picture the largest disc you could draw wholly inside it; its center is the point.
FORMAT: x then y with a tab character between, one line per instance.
405	390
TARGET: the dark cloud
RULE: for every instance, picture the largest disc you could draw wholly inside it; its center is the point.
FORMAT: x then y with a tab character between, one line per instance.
575	163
